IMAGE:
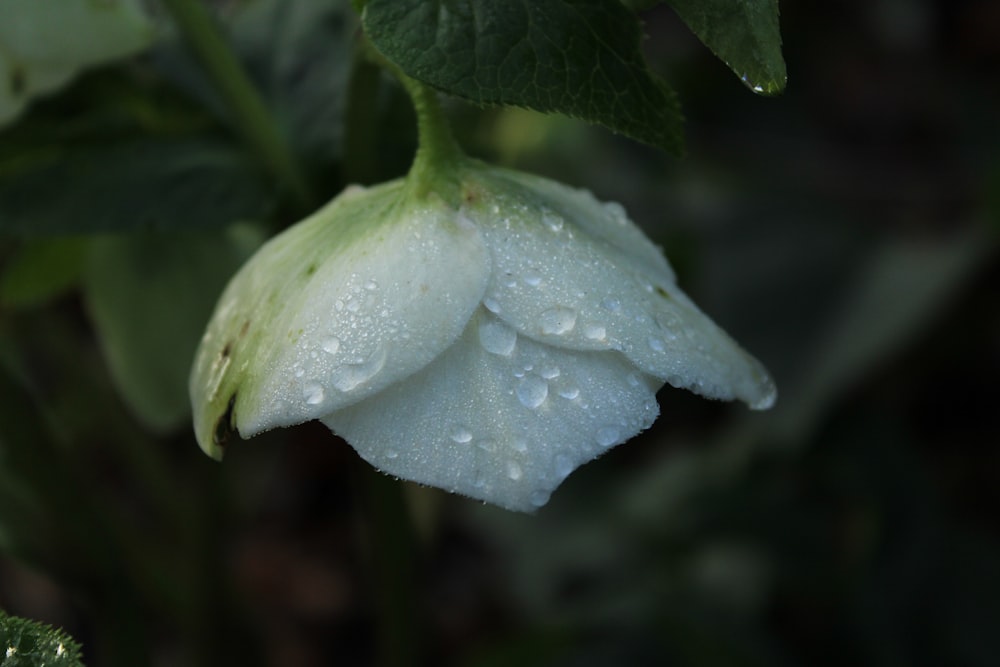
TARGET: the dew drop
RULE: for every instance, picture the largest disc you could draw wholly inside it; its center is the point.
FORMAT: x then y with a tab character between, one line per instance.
559	320
514	470
349	376
539	498
391	454
633	380
331	345
491	305
299	372
549	372
371	285
616	212
487	445
520	445
569	393
595	332
461	435
496	337
532	391
656	344
479	481
614	305
607	435
353	305
313	393
564	466
532	278
553	220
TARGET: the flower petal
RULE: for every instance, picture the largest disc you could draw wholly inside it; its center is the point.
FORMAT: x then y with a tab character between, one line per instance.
500	417
572	272
360	295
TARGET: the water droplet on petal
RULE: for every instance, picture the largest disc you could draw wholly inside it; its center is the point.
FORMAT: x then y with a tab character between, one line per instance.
461	434
331	345
595	332
520	445
313	393
491	305
532	391
480	479
371	285
616	212
614	305
607	435
391	454
349	376
569	393
552	220
558	320
514	470
540	497
633	380
353	305
564	466
532	278
549	372
656	344
496	337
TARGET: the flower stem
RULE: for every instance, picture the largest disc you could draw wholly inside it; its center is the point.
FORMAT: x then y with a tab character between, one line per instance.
438	154
249	111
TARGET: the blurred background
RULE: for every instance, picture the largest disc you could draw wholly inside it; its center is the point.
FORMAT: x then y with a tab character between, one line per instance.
844	232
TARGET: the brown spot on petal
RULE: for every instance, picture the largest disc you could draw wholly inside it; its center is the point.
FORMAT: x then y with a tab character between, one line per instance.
224	427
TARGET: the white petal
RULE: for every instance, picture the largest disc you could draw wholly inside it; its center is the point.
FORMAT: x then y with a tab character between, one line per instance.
573	272
500	421
360	295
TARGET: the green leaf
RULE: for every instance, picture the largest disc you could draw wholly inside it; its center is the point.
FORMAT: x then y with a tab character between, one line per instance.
26	643
744	33
41	270
149	297
580	58
139	185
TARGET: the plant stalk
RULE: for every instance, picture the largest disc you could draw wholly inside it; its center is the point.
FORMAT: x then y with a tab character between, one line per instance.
246	105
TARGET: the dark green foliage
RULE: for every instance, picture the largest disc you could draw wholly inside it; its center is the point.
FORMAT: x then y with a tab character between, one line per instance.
580	58
744	34
25	643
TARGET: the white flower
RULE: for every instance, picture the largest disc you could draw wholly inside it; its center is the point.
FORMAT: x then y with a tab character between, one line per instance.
486	339
45	43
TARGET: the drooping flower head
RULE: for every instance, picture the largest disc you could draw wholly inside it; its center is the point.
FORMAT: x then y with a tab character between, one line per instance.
487	336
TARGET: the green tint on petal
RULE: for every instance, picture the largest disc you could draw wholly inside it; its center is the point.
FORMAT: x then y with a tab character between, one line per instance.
358	296
500	417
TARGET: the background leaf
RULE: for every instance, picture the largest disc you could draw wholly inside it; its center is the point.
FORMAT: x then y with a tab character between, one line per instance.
580	58
41	270
141	185
744	33
149	297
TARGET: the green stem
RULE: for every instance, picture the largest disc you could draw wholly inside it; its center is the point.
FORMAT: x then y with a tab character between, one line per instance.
438	154
252	116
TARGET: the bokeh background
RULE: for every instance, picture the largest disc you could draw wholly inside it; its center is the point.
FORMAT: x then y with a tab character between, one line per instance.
845	232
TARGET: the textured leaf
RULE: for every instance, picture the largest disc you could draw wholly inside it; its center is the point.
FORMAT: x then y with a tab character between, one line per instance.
744	33
27	643
580	58
142	185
